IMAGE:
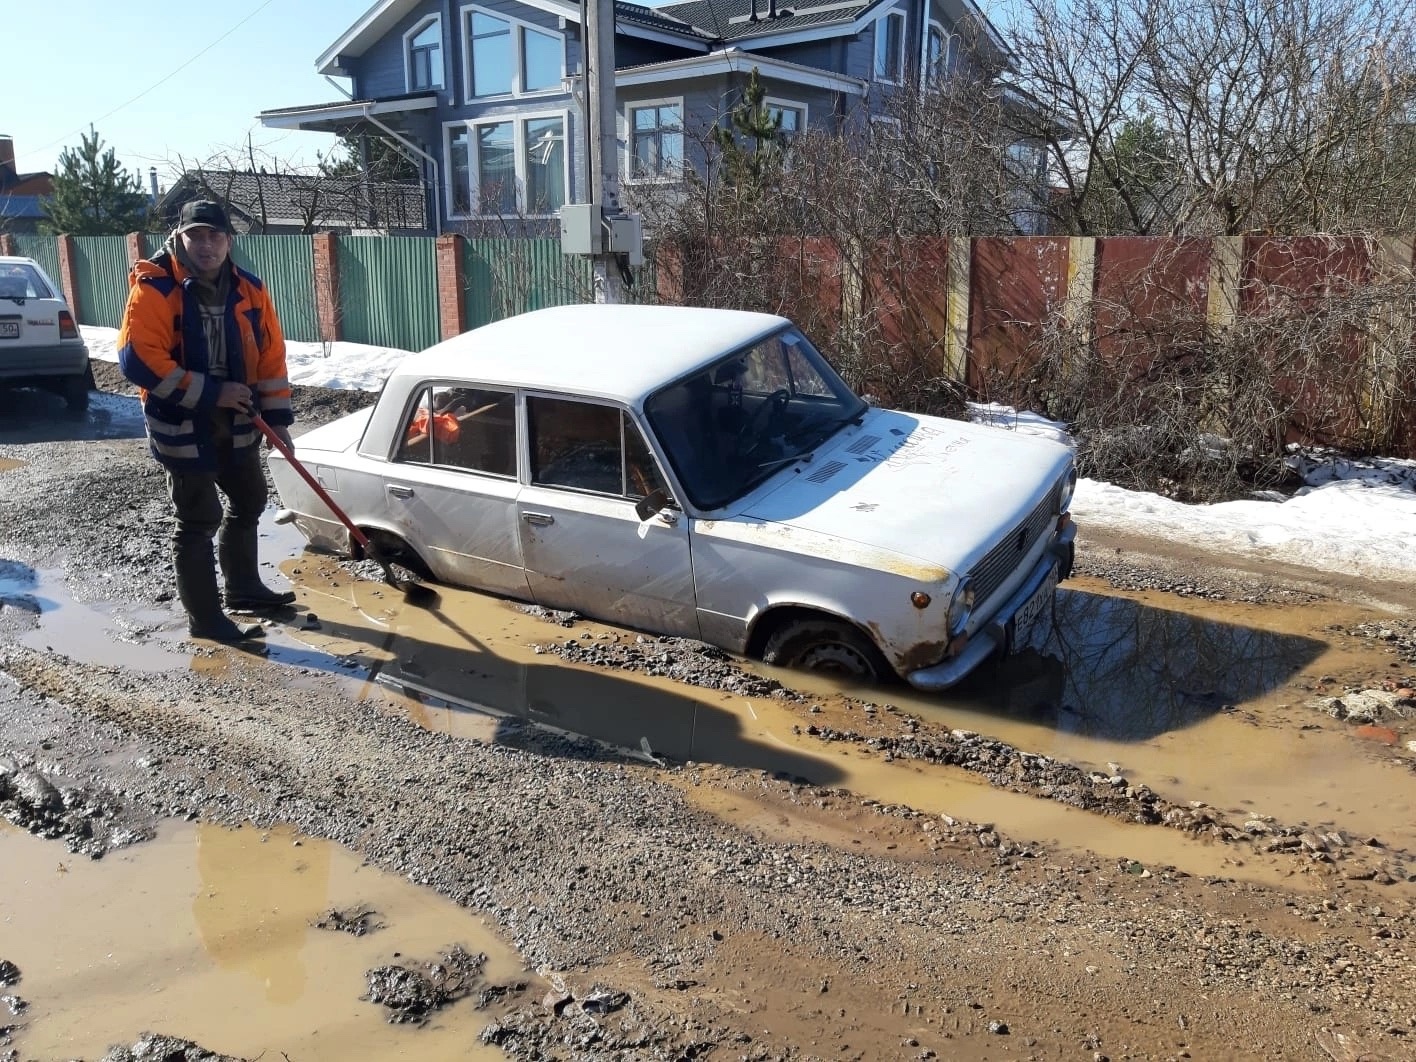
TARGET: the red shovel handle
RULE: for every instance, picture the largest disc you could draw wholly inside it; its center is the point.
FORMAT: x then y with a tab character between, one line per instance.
289	455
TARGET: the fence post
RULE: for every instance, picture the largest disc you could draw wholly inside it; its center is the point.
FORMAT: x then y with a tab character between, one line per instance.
452	307
958	282
1225	273
7	244
69	276
1393	261
1081	287
135	248
668	273
329	319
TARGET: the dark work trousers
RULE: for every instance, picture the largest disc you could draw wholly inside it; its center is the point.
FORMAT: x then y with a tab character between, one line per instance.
240	477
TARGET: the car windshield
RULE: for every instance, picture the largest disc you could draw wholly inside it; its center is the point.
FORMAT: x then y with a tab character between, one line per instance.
728	427
21	281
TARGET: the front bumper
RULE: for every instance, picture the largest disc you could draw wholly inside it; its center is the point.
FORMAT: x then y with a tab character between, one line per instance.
998	634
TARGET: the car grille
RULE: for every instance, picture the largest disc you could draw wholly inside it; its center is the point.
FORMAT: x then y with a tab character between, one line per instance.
1003	559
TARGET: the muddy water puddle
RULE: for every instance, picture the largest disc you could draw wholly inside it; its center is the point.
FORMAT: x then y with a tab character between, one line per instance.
1200	705
206	934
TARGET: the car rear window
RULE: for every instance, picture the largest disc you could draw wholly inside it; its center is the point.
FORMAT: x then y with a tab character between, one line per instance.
21	281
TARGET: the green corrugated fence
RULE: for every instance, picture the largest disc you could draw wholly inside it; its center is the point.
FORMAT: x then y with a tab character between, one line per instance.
286	264
388	290
44	250
101	276
504	277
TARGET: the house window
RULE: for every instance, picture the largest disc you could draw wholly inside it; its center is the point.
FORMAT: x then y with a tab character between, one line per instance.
424	48
459	170
510	58
496	168
890	47
545	164
656	140
937	54
507	167
792	116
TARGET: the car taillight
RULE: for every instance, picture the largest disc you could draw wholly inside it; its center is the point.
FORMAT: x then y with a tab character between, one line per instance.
67	328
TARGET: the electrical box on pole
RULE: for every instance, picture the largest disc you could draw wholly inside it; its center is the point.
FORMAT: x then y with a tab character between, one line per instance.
601	228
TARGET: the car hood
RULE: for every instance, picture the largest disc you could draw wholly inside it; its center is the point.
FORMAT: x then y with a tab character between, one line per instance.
336	436
938	491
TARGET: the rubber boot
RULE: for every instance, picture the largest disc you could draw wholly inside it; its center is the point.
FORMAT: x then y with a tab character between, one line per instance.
196	588
240	568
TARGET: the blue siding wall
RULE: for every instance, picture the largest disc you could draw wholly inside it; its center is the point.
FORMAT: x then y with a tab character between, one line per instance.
381	68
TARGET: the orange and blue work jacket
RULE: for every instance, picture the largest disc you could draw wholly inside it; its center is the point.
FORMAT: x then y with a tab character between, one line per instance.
162	349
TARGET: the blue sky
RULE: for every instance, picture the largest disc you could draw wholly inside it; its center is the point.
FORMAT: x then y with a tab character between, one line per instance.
63	72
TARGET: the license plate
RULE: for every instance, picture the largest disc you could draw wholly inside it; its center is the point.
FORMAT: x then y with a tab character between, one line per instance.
1032	608
9	329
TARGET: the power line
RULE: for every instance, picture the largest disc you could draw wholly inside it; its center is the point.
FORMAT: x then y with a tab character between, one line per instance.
155	84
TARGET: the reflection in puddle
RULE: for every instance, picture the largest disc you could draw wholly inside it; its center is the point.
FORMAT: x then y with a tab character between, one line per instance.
1139	686
205	934
1117	670
30	416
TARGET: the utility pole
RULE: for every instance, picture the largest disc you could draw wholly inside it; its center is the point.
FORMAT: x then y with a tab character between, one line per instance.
601	228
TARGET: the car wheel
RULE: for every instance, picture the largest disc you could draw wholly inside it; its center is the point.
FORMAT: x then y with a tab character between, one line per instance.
829	647
76	391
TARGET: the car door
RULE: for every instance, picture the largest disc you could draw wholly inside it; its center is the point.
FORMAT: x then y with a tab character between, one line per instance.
451	486
583	544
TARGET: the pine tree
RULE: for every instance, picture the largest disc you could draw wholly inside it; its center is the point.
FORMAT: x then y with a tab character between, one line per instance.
751	167
94	195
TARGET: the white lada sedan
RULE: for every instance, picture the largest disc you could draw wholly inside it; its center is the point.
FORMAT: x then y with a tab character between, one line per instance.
699	473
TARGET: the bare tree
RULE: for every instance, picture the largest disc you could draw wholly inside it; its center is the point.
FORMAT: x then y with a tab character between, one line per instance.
1263	115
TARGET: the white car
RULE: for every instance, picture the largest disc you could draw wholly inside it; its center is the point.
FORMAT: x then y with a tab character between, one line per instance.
40	345
699	473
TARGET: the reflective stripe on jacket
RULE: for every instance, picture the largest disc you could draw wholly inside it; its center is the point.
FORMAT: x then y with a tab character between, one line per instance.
162	349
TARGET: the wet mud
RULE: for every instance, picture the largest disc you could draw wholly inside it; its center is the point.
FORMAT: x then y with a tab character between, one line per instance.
686	855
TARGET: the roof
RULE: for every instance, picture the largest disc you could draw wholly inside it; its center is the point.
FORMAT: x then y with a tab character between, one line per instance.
381	18
735	60
623	353
299	199
21	206
732	20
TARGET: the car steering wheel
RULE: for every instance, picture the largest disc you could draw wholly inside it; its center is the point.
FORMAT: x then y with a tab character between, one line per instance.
754	429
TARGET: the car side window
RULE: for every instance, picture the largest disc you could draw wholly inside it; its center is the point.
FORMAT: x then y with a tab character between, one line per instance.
462	427
590	447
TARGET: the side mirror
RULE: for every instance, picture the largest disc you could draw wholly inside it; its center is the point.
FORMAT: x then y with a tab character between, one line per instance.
644	508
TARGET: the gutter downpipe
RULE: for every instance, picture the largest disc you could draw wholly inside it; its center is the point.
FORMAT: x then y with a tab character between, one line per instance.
411	147
924	12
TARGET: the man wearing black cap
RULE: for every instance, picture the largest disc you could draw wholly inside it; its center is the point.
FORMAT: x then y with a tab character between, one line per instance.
201	340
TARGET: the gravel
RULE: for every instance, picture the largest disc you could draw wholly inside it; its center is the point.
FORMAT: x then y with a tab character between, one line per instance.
807	923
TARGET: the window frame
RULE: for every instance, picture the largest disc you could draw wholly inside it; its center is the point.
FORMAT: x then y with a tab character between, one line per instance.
899	72
627	422
630	154
440	72
518	121
517	43
781	103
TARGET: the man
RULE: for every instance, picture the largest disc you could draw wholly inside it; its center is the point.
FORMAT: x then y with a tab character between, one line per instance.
201	340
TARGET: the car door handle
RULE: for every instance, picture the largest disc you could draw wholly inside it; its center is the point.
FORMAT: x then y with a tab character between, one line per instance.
400	492
539	519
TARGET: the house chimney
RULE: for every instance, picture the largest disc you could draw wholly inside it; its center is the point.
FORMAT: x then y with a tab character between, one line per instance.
152	181
7	155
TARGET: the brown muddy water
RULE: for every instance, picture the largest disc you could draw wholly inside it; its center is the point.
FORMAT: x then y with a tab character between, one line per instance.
1201	701
206	934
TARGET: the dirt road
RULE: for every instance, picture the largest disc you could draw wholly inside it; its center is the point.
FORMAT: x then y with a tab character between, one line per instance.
1123	859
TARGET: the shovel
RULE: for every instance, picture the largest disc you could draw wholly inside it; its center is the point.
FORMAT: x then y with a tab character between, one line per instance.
413	592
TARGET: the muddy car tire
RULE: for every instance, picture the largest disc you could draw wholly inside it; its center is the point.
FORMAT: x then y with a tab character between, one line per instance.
826	646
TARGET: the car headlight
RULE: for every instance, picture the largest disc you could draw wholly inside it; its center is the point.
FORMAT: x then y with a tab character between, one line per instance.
1069	487
961	607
